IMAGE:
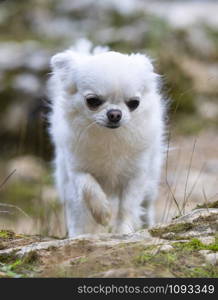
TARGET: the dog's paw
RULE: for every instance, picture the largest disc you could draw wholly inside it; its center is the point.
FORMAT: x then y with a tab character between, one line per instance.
102	213
99	207
124	228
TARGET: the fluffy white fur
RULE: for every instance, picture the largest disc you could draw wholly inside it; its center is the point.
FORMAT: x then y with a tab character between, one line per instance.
104	176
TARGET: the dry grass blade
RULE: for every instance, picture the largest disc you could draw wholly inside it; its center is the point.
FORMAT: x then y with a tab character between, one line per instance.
7	178
194	184
205	198
187	177
166	176
11	205
16	207
6	212
173	197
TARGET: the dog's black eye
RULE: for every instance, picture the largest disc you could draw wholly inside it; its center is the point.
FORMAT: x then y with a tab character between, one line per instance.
93	101
132	104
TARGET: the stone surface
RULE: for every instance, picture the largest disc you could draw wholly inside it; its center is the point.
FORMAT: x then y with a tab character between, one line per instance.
98	240
212	258
166	248
199	222
206	240
113	255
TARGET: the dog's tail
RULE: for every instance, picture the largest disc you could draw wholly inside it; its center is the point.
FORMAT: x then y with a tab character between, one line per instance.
85	46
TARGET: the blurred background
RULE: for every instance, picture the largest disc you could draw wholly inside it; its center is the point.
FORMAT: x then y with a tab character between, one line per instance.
181	36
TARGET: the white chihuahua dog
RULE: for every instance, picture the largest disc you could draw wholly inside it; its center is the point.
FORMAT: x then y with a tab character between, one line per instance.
107	128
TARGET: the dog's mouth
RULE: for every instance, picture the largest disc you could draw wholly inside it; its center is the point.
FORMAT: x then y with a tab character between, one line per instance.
109	125
112	126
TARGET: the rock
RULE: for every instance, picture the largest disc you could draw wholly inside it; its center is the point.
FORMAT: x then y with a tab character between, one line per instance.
162	248
101	240
212	258
25	250
204	252
207	240
199	222
166	248
113	255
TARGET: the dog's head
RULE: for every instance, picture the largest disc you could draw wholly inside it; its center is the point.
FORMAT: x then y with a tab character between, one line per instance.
109	88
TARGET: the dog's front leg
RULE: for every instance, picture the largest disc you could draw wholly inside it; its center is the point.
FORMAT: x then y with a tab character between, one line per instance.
130	211
85	196
94	198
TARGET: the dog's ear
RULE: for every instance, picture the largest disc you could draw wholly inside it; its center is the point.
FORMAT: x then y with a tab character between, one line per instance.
61	60
144	64
143	60
64	67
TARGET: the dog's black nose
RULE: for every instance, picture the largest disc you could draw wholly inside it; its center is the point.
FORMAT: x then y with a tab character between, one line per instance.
114	115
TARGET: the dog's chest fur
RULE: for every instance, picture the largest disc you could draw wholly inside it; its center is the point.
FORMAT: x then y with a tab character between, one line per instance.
109	155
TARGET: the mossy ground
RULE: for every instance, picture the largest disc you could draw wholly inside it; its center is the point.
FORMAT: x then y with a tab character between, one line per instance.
176	228
184	260
6	234
208	205
196	244
85	258
10	264
16	267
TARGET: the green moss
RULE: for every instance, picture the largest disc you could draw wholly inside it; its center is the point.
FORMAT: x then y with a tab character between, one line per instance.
204	272
143	258
12	266
7	271
6	234
176	228
8	257
160	258
183	261
208	205
196	244
30	258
